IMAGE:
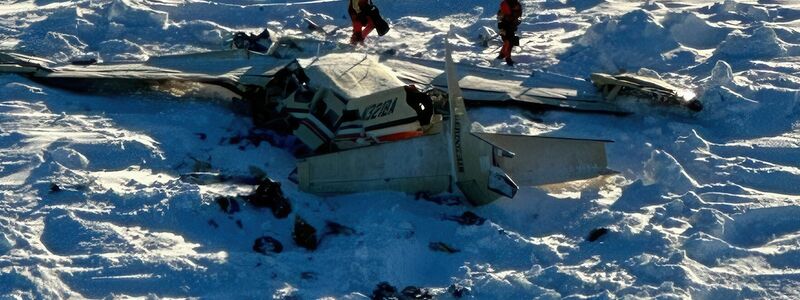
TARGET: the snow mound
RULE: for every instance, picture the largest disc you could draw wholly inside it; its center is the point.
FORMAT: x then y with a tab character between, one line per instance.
663	168
60	47
116	28
434	8
69	158
134	13
6	244
300	21
759	226
710	250
637	195
692	31
649	73
732	99
733	10
66	234
652	5
200	32
722	102
581	5
116	50
709	221
763	43
629	42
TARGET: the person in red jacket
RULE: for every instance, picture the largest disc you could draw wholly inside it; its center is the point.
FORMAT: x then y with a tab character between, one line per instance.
362	20
508	19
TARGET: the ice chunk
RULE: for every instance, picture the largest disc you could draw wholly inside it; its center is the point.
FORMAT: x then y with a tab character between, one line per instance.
69	158
664	169
6	244
709	221
721	75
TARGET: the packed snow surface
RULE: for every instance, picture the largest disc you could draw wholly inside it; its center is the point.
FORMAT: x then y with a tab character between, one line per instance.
704	205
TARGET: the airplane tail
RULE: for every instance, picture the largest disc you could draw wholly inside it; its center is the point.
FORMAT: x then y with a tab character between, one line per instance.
472	160
487	166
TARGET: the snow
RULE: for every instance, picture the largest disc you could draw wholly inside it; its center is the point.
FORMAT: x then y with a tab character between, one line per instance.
704	205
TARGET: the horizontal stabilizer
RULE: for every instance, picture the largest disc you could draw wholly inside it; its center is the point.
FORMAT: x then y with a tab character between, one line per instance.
546	160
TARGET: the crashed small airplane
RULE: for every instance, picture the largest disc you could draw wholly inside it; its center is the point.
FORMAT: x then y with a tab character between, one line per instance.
367	124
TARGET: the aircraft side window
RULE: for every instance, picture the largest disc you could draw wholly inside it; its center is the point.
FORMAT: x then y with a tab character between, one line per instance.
319	109
350	115
330	119
325	115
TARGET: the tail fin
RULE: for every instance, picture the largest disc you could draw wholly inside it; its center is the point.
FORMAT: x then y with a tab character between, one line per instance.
472	159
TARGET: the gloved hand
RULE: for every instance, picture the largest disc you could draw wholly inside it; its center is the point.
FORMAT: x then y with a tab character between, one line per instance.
356	38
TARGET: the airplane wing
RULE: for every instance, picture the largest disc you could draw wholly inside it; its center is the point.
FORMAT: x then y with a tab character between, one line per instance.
234	70
489	86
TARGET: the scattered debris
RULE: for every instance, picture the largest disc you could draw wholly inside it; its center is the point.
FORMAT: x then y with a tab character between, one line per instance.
269	194
235	140
213	223
442	247
267	244
333	228
257	172
257	43
312	26
384	291
202	177
468	218
457	290
389	52
229	205
84	62
596	233
304	235
412	292
54	188
446	200
485	35
200	165
308	275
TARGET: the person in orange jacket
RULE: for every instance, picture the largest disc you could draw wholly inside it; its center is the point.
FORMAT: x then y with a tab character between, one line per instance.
508	19
362	20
